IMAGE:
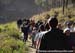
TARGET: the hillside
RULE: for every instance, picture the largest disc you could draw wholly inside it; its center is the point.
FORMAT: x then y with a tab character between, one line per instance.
11	39
61	17
11	10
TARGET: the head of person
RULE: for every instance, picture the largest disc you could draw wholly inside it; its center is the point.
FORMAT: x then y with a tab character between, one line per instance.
74	24
69	24
67	32
59	26
47	26
53	22
42	27
19	21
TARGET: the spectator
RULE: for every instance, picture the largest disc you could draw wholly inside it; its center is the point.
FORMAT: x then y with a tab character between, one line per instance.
38	24
59	26
34	32
25	29
70	37
39	35
54	39
67	32
69	24
19	23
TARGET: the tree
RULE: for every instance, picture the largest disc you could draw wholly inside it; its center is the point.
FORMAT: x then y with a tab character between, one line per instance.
38	2
42	3
63	6
73	2
66	3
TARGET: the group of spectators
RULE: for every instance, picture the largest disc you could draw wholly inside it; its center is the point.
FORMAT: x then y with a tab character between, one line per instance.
48	35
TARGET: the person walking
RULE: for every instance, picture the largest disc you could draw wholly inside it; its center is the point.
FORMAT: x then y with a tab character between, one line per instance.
25	30
54	39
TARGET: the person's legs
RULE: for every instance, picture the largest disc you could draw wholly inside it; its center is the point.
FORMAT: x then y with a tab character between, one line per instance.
32	43
24	38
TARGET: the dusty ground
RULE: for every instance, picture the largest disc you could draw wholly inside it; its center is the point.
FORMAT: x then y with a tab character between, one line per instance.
31	49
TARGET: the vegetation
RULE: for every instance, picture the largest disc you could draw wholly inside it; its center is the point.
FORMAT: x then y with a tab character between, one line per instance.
47	4
61	17
10	36
10	39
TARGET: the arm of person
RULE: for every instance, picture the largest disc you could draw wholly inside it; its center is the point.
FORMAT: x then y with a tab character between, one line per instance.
36	37
43	43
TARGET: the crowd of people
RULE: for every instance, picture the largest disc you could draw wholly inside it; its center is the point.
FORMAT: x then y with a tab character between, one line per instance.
48	35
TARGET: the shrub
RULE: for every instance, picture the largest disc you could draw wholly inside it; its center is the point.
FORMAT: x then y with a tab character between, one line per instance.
10	39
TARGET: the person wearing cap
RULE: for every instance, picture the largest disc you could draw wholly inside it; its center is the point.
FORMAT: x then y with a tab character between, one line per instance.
70	38
69	26
54	39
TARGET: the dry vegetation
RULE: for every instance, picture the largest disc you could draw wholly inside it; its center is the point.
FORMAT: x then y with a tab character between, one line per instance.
10	37
61	17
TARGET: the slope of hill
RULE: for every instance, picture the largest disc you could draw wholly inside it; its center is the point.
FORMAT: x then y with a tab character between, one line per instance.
61	16
14	9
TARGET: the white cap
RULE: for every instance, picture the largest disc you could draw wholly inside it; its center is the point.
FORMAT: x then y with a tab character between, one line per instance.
66	29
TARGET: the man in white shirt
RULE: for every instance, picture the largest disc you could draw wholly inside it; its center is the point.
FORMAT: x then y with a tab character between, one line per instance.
39	35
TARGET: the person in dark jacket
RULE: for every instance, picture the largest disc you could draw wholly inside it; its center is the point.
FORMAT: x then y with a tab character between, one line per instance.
25	30
19	23
70	37
54	39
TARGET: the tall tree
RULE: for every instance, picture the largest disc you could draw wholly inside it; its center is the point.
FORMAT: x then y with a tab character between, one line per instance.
73	2
38	2
63	6
66	3
42	3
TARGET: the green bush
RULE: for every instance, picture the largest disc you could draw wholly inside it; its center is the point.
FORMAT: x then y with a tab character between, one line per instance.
10	39
12	45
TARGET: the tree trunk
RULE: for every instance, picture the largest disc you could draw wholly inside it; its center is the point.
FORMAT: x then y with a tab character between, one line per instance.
66	3
63	6
73	2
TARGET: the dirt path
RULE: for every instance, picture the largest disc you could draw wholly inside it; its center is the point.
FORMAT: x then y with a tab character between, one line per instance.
31	49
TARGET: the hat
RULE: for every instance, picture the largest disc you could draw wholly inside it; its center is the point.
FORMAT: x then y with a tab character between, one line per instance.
67	29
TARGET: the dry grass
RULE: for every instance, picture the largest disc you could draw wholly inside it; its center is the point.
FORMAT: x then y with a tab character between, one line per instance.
69	11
